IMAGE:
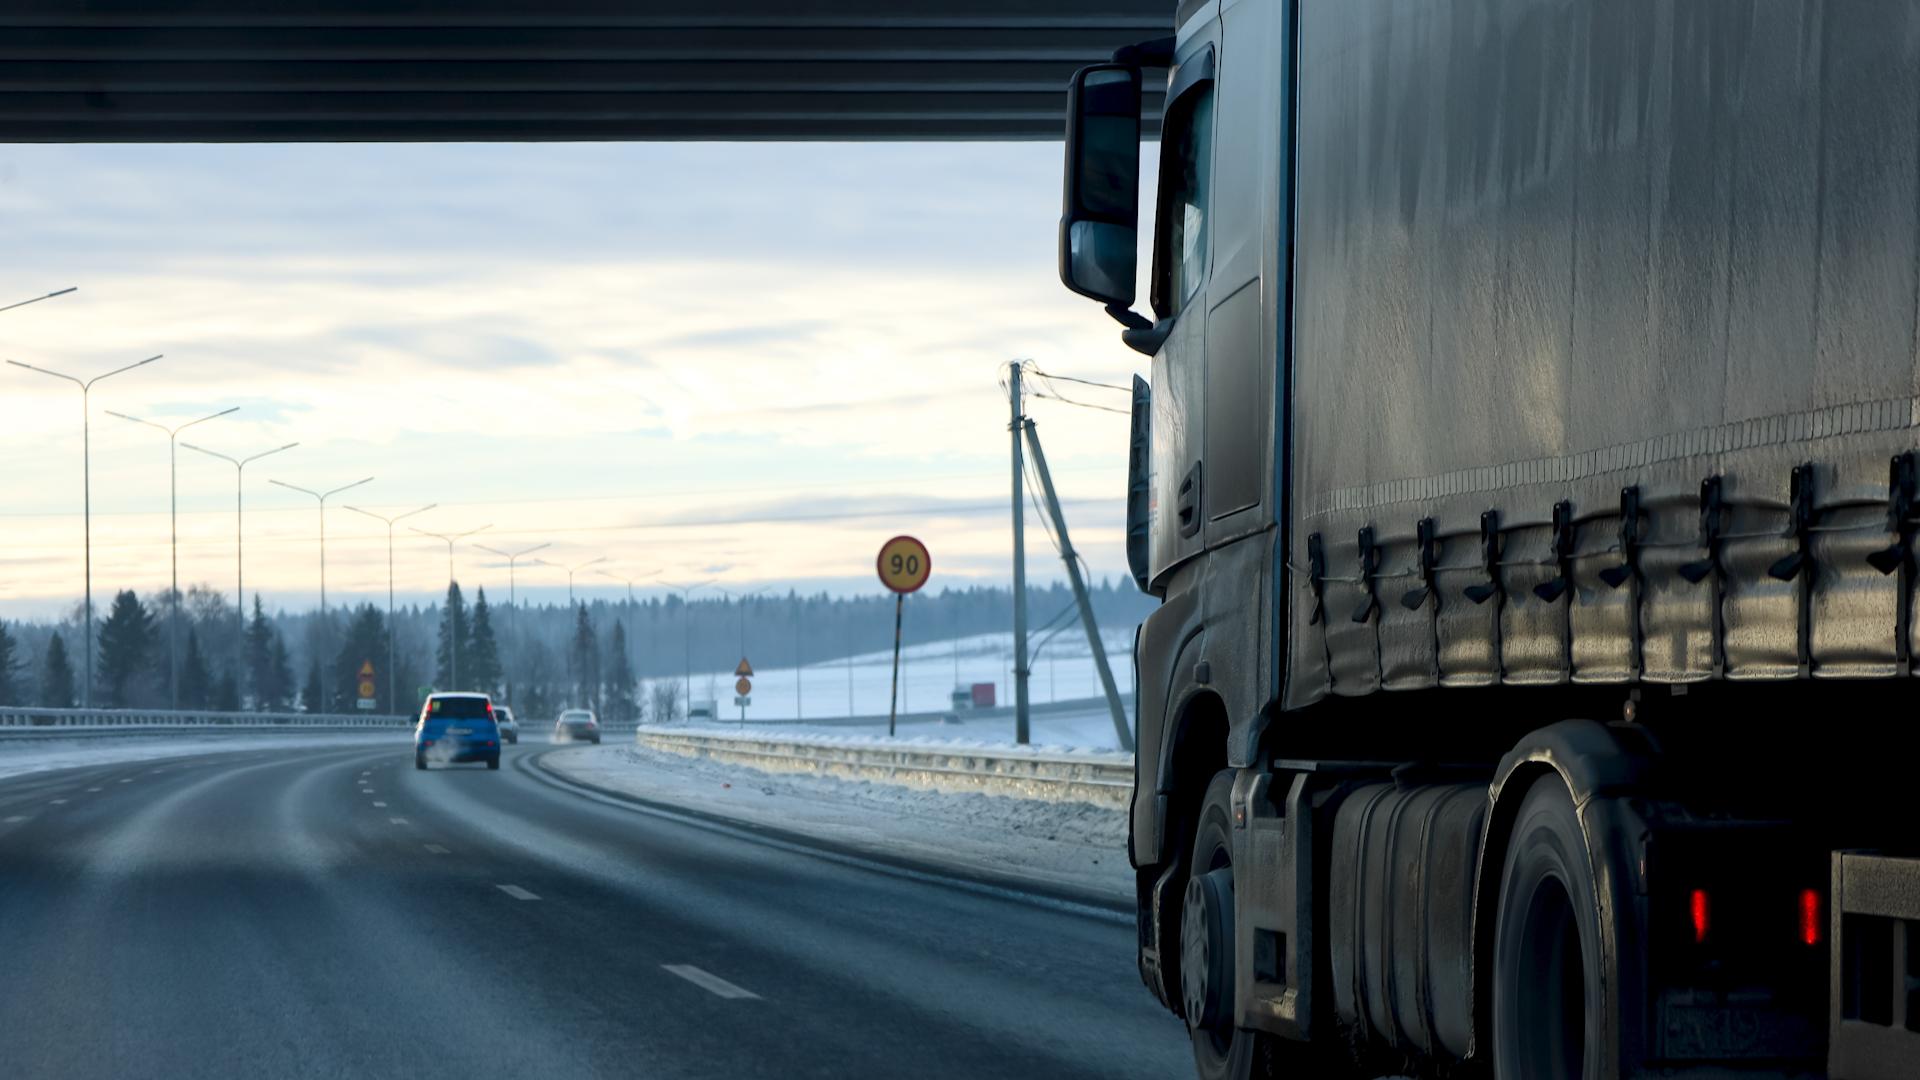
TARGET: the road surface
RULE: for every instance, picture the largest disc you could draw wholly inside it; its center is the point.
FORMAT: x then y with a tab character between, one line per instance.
332	912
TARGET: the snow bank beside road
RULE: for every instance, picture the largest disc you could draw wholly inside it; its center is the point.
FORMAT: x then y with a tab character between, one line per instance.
1074	847
44	755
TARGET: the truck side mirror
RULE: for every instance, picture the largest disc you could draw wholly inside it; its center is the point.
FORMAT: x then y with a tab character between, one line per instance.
1100	218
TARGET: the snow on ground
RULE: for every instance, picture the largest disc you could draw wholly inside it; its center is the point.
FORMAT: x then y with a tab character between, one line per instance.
1078	730
1062	666
1072	846
19	757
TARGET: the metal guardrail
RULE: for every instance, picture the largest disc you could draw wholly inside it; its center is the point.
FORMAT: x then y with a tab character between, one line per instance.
1103	779
30	722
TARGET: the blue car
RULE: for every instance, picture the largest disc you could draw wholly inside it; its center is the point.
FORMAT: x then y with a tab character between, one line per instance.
454	728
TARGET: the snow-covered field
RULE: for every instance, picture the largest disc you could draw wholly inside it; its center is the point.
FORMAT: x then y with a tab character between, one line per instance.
1081	728
1062	670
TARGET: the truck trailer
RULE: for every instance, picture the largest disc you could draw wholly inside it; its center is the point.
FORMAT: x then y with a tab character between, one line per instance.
1528	472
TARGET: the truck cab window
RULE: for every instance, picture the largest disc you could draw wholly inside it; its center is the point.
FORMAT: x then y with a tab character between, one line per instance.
1180	218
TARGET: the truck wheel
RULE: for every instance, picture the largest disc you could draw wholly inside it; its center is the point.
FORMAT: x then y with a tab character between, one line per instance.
1222	1051
1548	1001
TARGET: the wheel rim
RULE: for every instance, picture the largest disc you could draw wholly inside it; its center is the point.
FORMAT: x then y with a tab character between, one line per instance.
1206	954
1551	1000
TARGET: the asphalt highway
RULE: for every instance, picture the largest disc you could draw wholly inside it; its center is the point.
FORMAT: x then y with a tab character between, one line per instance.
332	912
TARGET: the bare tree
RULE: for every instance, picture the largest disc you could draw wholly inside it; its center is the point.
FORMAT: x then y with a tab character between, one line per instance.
664	695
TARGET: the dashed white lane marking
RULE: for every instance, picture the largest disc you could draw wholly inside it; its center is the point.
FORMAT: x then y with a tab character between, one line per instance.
437	849
381	804
709	982
93	789
59	802
517	892
16	818
126	779
398	820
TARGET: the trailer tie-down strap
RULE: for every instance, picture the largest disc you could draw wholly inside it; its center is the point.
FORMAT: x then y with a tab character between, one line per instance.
1903	478
1369	566
1557	587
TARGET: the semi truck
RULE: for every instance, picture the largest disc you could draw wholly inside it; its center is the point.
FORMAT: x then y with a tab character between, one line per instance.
1527	474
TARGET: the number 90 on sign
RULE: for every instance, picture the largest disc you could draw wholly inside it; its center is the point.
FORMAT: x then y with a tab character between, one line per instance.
904	564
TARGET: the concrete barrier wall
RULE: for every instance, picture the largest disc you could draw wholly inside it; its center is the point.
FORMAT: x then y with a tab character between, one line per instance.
1104	779
27	722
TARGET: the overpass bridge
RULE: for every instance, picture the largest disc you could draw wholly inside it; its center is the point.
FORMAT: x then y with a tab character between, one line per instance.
477	70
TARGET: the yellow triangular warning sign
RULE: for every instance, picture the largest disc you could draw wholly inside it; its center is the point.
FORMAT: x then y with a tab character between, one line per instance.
366	669
744	668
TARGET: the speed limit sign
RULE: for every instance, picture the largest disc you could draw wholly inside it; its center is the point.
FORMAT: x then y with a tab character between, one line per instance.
904	564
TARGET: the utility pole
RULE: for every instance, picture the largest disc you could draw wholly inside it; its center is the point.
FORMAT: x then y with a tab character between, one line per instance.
1122	730
1020	709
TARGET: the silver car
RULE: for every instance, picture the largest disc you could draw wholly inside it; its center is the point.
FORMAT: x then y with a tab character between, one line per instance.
509	727
577	724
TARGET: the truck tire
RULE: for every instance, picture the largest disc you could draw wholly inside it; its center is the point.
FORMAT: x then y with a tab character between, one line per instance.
1549	1005
1221	1050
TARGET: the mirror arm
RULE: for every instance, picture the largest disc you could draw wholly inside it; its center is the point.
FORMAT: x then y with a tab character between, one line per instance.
1128	318
1146	339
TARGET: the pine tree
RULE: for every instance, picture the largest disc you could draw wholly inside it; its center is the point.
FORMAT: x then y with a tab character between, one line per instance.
623	702
10	689
280	670
126	650
583	660
196	682
310	697
480	656
365	643
260	657
56	683
453	635
227	696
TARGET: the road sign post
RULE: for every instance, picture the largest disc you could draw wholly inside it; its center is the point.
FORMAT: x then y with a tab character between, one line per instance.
366	700
742	687
904	566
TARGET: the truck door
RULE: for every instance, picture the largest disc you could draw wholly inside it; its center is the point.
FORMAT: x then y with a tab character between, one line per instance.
1178	287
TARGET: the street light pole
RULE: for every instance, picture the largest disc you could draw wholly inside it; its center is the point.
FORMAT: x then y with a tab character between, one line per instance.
393	702
686	632
37	299
326	628
173	519
576	569
513	601
453	644
86	485
239	544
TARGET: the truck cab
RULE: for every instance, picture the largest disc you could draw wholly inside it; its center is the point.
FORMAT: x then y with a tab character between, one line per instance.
1533	525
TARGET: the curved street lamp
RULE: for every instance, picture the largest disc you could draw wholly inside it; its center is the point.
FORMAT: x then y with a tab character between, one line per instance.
326	628
173	529
239	543
393	702
86	482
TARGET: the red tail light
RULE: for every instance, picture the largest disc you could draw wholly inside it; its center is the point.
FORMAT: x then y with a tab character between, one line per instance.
1810	917
1702	909
489	742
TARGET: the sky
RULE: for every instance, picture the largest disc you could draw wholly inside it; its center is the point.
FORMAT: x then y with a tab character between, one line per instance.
751	363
